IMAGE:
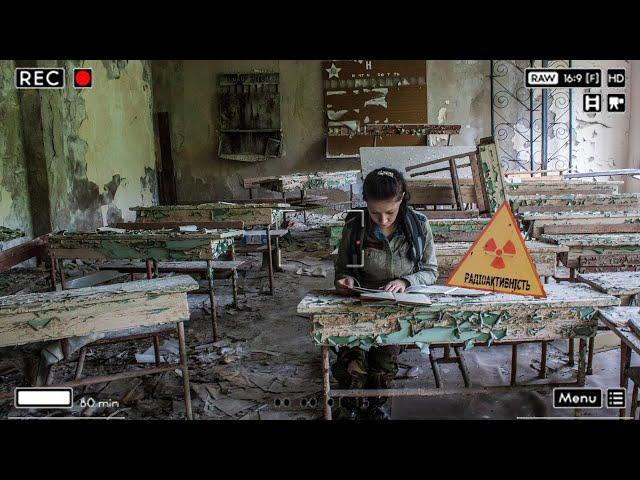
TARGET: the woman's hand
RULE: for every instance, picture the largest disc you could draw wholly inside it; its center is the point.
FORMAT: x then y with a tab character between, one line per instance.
396	286
343	286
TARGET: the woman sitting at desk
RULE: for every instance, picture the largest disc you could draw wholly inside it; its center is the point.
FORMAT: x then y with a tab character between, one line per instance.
396	250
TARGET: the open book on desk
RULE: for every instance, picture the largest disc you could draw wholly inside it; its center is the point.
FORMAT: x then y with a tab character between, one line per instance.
411	289
402	298
416	292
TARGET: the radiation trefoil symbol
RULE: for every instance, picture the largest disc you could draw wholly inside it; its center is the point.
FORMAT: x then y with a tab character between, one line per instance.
492	249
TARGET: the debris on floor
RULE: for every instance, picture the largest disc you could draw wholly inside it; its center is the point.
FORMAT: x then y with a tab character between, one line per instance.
265	366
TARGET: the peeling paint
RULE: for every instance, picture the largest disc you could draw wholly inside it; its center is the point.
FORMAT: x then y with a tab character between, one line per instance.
100	146
442	116
333	115
14	199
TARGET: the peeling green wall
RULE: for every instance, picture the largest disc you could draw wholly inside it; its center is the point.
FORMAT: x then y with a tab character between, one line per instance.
14	197
100	145
458	91
188	91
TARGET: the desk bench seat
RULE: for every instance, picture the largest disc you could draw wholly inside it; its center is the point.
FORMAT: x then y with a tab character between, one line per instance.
101	313
177	267
227	267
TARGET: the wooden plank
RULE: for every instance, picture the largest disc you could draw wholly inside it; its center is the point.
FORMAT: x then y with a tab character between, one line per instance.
613	283
630	208
167	267
312	181
533	187
448	214
604	240
7	234
537	222
211	224
251	214
478	184
95	278
456	184
255	181
349	146
607	259
457	230
394	130
208	206
23	252
276	232
167	178
38	317
604	250
439	194
455	236
607	173
625	202
34	302
491	172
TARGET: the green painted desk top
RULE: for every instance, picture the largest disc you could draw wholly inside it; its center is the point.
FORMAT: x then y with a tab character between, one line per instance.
146	244
568	311
305	181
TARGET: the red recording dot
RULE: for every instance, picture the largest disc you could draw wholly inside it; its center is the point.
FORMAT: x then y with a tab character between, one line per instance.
82	78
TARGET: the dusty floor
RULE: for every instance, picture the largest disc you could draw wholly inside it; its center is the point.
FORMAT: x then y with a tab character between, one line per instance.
268	368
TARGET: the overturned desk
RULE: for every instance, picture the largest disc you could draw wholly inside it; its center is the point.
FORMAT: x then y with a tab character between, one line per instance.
148	245
567	312
42	317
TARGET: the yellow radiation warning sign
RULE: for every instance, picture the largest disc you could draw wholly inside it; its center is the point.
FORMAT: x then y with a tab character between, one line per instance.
498	261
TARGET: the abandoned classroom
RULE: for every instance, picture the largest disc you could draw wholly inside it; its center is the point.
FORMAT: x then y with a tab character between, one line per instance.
170	233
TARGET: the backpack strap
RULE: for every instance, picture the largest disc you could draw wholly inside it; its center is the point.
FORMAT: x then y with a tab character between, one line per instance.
418	237
353	221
